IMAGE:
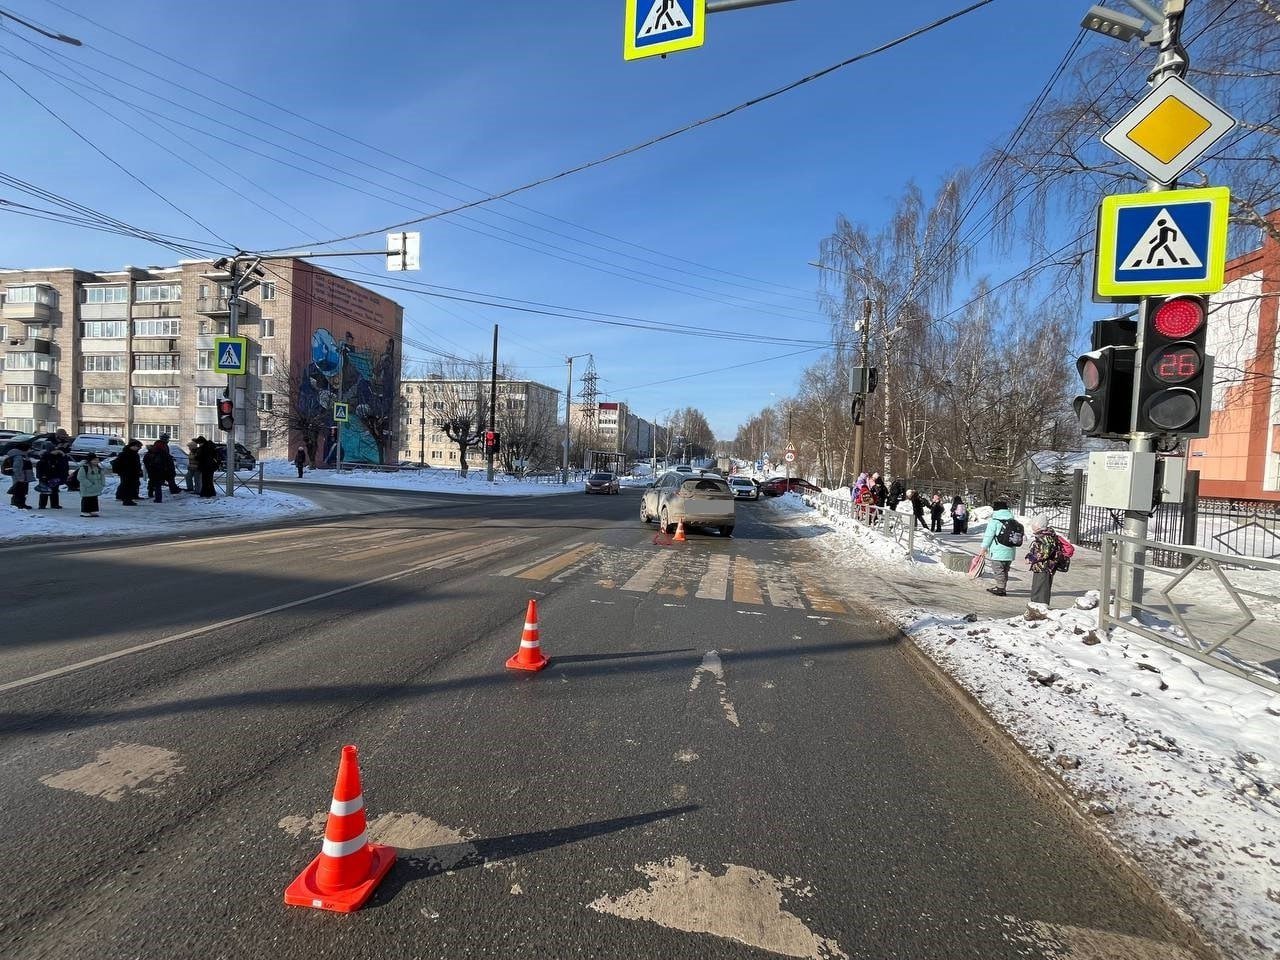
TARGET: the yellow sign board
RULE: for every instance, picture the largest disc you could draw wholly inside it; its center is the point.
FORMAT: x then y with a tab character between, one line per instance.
1169	130
655	28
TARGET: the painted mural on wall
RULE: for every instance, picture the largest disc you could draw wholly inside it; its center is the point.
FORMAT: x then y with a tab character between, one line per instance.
340	371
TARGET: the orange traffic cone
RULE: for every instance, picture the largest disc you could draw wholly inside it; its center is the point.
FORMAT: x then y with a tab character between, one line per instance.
343	876
679	537
529	656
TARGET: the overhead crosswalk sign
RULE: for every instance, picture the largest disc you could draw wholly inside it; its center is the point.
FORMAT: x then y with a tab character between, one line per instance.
1159	244
231	355
341	412
657	27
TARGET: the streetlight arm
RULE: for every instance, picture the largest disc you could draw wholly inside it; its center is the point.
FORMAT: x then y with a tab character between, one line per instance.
721	6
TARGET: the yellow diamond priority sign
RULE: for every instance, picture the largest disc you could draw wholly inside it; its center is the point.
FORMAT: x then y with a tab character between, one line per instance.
1169	130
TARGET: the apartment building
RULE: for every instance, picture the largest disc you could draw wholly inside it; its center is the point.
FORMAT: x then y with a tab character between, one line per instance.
130	352
527	419
615	429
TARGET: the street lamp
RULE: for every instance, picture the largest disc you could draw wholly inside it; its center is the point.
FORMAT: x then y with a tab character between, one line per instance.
1125	27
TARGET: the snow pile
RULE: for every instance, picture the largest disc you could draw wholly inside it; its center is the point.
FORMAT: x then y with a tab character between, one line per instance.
179	513
1180	759
872	539
426	480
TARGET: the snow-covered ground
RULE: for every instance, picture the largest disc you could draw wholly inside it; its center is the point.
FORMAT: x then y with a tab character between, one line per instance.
180	513
1179	762
426	480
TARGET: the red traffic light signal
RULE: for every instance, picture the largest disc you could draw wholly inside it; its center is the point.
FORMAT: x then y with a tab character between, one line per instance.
226	414
491	441
1174	391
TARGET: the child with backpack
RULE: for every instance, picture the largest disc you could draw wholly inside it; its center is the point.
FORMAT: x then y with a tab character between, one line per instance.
1000	544
1049	554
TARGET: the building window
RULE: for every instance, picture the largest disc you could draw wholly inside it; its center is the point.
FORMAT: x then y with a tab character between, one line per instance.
155	396
266	327
108	395
211	328
21	425
157	328
264	439
268	290
155	361
104	329
204	359
102	362
152	431
437	405
4	332
265	400
29	361
207	396
99	426
26	393
266	366
114	294
34	293
158	292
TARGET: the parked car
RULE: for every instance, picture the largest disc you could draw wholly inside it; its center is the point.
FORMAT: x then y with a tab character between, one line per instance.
103	444
780	485
602	482
697	500
34	443
744	488
244	459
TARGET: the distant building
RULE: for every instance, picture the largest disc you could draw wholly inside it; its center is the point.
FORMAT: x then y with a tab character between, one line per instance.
615	429
527	420
130	353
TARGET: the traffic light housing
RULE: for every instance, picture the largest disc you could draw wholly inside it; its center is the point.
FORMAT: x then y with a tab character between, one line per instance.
1175	382
1107	371
226	414
492	441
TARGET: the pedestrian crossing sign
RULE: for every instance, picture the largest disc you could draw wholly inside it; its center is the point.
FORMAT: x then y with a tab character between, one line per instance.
655	28
1162	244
231	355
340	413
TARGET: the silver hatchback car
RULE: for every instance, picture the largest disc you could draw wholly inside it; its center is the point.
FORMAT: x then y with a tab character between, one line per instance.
698	500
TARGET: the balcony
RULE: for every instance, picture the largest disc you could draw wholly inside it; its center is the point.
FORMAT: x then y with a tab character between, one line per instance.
156	378
30	344
155	344
219	306
40	378
40	313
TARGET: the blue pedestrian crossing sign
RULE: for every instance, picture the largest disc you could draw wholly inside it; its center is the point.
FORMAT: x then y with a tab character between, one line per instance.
1162	244
231	355
341	412
655	28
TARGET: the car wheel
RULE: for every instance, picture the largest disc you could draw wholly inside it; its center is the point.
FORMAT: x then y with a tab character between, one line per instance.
726	531
664	525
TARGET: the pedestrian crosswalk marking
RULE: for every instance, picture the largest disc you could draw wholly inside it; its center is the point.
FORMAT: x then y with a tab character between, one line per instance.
412	543
820	601
782	594
556	564
526	563
746	585
715	583
647	577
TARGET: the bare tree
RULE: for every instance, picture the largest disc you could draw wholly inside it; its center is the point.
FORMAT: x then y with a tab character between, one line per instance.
461	405
299	412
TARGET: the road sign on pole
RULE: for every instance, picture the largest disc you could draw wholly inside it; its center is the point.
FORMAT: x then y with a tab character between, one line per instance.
655	28
1168	130
403	251
231	355
341	412
1160	244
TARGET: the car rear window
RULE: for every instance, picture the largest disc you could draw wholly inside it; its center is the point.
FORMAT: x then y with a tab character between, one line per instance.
601	476
707	484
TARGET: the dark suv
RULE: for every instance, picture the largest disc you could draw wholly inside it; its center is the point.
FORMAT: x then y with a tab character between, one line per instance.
244	459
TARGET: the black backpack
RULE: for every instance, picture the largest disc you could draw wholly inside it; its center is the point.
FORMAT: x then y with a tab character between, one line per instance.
1011	533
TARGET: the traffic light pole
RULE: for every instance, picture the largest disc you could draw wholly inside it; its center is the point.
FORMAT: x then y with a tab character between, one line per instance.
1173	62
233	324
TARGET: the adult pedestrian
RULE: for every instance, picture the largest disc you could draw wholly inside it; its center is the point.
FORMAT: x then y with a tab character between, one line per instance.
935	513
896	494
171	474
917	509
51	474
91	482
158	463
300	459
193	470
879	492
18	466
959	515
997	545
128	467
1045	558
206	463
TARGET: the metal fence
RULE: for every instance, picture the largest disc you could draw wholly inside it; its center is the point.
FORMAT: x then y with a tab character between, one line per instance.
898	527
1240	634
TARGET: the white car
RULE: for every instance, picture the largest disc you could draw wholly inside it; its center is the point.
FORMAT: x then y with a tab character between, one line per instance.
103	444
744	488
696	499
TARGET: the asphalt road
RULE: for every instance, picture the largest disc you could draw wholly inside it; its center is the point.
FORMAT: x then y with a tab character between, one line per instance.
722	759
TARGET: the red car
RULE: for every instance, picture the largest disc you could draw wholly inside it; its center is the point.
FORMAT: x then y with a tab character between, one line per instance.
780	485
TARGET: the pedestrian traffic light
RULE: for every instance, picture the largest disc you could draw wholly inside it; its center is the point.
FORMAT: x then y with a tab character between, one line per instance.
1175	383
491	443
1105	407
226	414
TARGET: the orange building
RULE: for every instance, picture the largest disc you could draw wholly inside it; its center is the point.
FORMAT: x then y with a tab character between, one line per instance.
1241	456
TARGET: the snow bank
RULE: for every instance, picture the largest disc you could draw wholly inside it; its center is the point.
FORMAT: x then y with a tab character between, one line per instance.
427	480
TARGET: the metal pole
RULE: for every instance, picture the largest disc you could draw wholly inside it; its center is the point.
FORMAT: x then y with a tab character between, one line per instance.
1133	555
859	431
493	403
724	6
568	420
233	324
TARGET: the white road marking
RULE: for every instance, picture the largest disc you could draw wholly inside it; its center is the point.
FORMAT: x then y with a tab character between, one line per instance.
436	844
525	564
119	771
751	613
458	556
686	756
715	583
1082	943
711	664
783	594
647	577
742	904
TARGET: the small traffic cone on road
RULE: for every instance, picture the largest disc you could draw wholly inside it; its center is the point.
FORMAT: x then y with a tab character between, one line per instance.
679	537
343	876
529	656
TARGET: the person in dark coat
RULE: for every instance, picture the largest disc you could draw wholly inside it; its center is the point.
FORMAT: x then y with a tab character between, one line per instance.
896	494
959	515
160	469
18	466
171	478
935	513
879	492
917	508
207	463
51	471
128	467
300	459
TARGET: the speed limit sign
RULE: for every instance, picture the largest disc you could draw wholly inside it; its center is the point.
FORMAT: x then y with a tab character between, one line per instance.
791	456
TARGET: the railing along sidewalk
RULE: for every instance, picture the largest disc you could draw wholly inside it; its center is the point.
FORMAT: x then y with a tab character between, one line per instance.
899	527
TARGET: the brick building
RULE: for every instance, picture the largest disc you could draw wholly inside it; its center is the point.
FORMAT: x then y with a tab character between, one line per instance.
130	352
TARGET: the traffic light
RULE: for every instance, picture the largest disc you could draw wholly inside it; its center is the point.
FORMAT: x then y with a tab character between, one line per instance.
491	443
1176	381
1105	407
226	414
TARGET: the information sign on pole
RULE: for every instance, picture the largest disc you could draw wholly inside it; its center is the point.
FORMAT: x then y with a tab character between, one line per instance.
231	355
655	28
1168	130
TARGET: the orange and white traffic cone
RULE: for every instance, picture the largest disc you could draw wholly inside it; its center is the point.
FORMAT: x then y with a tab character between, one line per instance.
529	656
679	537
343	876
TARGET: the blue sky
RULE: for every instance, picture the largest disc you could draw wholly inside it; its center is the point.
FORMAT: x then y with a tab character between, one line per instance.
500	93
